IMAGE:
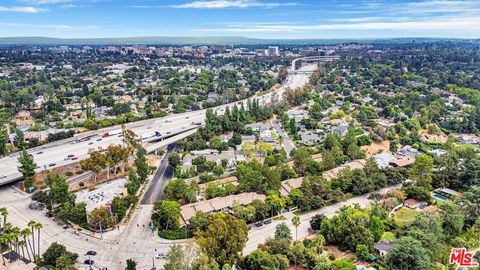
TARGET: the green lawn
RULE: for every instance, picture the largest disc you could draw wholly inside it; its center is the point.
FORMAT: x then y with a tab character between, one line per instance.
405	215
388	236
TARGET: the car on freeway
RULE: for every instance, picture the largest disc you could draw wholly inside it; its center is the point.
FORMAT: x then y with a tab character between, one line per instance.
74	158
51	164
91	253
89	262
161	256
168	132
168	121
70	155
90	143
187	117
39	153
99	139
3	176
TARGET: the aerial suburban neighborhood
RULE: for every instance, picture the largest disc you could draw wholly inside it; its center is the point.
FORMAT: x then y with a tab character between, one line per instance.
274	152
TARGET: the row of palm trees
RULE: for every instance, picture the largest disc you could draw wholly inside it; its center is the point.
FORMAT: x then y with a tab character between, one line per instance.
12	238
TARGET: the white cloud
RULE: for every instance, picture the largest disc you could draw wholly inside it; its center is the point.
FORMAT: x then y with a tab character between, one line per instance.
22	9
50	26
217	4
44	2
440	23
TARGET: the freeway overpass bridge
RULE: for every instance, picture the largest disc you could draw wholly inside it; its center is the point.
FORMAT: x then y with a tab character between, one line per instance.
172	128
297	63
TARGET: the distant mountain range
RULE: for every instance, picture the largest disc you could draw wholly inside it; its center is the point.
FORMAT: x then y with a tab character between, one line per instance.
39	41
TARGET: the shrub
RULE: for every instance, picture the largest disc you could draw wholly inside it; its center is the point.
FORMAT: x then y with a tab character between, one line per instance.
174	234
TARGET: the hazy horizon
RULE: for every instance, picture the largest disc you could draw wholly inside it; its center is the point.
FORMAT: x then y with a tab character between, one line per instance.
263	19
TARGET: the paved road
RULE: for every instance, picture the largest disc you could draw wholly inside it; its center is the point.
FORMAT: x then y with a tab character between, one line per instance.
163	175
135	240
53	155
258	235
286	141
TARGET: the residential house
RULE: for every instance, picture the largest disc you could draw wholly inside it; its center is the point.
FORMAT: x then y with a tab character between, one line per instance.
23	120
355	164
341	129
414	204
263	129
212	97
402	162
383	247
217	204
309	137
289	185
383	159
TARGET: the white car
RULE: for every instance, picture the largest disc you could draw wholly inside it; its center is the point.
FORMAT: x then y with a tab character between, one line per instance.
161	256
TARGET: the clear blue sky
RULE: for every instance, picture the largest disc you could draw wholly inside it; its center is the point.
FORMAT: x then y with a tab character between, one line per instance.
249	18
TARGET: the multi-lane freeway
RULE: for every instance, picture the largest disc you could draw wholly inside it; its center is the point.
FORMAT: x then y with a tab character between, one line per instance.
133	240
74	149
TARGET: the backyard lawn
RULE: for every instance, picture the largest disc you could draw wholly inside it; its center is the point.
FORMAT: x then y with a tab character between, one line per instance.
388	236
405	215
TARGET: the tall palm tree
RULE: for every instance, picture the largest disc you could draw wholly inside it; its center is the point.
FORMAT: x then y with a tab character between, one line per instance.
4	213
15	237
25	233
3	243
296	222
38	226
31	224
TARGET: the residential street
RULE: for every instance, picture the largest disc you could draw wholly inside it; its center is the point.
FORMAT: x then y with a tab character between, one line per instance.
163	175
286	141
258	235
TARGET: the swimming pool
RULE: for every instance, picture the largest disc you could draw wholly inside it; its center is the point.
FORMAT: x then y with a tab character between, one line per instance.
440	197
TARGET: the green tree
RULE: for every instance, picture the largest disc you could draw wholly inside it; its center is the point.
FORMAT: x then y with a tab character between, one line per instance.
3	141
408	253
316	221
27	168
51	257
261	260
376	227
59	192
452	219
362	252
421	171
166	215
131	265
224	239
174	159
95	163
218	170
296	222
101	217
143	170
283	232
470	202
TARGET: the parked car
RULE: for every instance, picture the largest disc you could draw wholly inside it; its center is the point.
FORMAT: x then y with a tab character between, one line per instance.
91	253
259	224
161	256
89	262
268	221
